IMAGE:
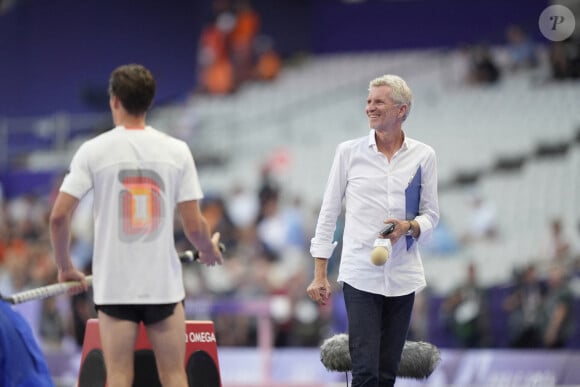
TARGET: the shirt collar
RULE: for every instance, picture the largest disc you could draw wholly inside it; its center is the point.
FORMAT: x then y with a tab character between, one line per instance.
132	129
373	141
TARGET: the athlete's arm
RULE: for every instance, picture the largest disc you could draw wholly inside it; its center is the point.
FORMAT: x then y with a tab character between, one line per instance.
198	233
60	236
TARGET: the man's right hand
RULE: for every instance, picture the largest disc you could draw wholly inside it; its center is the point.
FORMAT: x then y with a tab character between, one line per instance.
319	290
72	274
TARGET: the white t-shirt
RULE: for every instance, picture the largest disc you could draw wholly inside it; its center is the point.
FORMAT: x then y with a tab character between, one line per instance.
138	176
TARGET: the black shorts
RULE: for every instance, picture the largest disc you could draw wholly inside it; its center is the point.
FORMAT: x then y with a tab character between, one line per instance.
146	313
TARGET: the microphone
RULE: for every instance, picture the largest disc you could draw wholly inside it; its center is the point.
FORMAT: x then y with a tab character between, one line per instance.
382	247
418	359
389	228
188	256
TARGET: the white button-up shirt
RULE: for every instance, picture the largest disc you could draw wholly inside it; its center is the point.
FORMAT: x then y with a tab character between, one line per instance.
372	190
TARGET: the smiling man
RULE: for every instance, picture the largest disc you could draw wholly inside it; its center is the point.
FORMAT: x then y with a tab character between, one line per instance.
384	177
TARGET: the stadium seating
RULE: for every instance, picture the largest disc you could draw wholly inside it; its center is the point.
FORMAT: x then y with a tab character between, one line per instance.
320	101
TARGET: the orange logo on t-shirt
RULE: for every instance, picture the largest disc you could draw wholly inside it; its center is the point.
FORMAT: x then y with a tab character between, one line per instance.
141	207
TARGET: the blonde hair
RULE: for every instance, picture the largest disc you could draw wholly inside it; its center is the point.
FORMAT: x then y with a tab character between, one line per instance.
401	94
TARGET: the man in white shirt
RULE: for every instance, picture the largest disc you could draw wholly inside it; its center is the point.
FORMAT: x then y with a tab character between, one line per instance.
138	176
374	176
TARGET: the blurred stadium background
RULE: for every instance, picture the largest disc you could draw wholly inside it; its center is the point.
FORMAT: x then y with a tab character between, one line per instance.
263	114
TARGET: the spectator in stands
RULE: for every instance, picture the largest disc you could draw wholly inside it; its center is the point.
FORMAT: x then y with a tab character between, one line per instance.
280	227
215	68
24	250
218	219
562	248
565	59
52	326
268	61
15	262
222	280
376	176
557	247
41	268
558	326
230	52
269	186
82	309
525	309
242	39
521	49
482	220
444	240
482	66
243	207
466	312
280	230
216	72
28	214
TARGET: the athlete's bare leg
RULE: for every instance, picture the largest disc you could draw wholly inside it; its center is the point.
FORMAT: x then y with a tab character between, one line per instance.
118	341
167	339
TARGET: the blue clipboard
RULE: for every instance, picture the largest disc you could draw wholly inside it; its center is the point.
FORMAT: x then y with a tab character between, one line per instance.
412	198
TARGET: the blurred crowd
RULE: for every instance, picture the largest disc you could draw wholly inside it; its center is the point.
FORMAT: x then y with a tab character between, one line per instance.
267	234
537	308
232	50
485	67
267	239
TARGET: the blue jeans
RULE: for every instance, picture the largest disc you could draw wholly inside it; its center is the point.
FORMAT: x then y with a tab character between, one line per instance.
377	328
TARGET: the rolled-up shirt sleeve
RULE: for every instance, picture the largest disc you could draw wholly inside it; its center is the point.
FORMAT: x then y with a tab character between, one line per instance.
322	244
429	205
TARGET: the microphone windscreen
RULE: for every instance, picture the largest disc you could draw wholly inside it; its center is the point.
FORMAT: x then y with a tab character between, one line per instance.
418	360
379	256
334	353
